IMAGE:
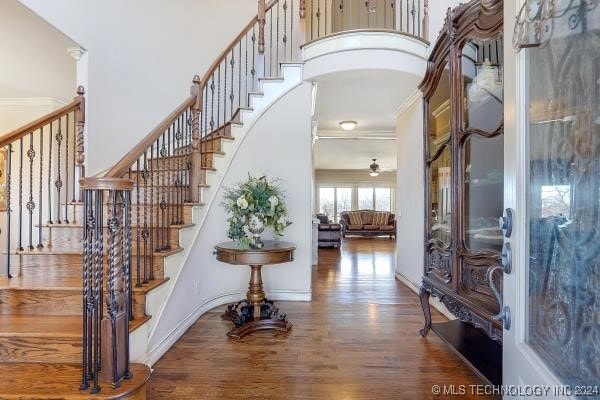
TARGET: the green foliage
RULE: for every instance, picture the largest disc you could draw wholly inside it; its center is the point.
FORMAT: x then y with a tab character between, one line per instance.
253	205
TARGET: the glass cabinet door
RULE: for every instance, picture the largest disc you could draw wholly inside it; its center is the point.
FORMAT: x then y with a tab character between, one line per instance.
483	148
440	165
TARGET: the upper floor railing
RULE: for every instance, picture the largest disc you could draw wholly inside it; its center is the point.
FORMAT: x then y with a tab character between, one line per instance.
40	164
326	17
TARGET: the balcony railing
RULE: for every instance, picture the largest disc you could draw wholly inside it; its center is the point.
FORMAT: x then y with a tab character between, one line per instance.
326	17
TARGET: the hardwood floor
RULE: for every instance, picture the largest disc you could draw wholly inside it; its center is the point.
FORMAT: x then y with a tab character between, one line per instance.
357	339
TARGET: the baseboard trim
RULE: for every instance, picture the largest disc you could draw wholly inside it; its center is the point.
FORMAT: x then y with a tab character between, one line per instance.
169	340
433	301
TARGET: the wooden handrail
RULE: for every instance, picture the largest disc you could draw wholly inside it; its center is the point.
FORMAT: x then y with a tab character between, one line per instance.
121	168
231	45
18	133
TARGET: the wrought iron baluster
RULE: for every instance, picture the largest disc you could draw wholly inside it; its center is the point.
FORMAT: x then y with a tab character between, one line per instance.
74	162
239	74
66	171
245	95
253	70
270	42
145	233
8	207
318	18
419	18
231	94
127	275
393	6
276	37
219	96
342	14
58	183
40	199
212	103
413	12
87	292
163	201
138	233
20	195
30	204
225	94
50	145
153	165
180	177
98	288
284	39
112	308
292	30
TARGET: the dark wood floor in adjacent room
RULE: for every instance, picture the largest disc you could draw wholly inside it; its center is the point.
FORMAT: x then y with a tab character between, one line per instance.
357	339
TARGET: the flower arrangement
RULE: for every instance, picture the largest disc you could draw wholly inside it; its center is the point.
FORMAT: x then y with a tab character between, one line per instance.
253	205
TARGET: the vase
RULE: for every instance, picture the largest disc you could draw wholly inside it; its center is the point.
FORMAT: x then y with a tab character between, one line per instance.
257	242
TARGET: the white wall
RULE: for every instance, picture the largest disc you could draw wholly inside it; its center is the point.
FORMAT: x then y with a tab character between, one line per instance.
410	193
286	127
437	14
142	57
34	58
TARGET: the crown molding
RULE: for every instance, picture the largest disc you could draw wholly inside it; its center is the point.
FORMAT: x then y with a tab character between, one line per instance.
412	98
357	135
31	101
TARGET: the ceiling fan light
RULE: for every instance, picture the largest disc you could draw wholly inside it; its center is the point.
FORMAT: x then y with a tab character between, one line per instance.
348	125
374	168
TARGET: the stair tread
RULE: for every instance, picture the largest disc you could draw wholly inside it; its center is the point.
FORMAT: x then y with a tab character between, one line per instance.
53	326
44	380
47	281
70	247
40	325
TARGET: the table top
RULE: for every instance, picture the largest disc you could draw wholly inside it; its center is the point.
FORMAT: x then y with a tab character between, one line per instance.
270	245
273	252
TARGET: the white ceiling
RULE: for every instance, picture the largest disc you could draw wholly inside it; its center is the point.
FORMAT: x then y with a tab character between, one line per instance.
354	153
369	97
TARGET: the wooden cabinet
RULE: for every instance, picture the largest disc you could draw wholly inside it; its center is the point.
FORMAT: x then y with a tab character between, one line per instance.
463	156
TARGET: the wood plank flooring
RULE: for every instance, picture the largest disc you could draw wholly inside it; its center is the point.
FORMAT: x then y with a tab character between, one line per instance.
357	339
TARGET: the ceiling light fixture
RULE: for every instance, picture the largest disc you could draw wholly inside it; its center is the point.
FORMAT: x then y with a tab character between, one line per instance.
374	168
348	125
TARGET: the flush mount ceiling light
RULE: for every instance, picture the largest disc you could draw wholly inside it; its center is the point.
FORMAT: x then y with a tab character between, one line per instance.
348	125
374	168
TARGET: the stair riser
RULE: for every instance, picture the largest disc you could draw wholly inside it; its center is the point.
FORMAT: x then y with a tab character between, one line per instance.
74	236
54	302
136	209
74	268
40	349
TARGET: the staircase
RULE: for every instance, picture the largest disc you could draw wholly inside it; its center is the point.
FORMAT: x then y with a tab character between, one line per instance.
91	263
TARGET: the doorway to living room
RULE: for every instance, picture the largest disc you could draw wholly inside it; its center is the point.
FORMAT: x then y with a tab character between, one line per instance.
354	156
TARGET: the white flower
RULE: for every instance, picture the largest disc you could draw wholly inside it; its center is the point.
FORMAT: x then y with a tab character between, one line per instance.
274	201
282	220
255	223
242	202
246	230
229	202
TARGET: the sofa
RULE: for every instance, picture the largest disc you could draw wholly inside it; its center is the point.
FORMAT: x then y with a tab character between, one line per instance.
329	234
366	227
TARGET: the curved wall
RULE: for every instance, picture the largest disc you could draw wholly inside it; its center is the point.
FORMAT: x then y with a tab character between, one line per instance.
360	50
278	144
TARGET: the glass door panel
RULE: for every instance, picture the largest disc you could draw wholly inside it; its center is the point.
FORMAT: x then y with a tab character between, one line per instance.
482	75
563	203
439	114
440	197
483	192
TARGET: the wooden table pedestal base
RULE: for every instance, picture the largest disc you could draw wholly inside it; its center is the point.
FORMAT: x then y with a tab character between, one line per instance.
246	323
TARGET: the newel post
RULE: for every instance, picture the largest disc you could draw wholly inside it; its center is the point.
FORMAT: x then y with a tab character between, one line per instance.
79	134
425	25
196	156
260	58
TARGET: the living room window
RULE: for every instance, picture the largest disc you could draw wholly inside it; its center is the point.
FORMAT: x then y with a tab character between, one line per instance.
334	200
375	198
